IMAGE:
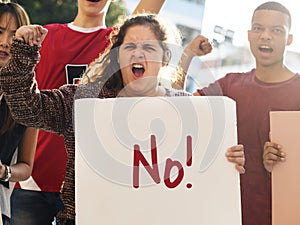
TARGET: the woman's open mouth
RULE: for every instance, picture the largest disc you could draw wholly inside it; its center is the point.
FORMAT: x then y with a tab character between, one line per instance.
138	70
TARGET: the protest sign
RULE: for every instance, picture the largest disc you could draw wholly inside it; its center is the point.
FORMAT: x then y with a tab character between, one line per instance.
156	160
285	130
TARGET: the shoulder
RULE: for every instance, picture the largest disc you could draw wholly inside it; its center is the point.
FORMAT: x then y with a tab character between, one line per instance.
237	77
55	30
240	75
224	84
295	80
55	26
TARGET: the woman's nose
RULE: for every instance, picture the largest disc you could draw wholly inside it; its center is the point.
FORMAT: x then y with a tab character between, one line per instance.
5	40
139	53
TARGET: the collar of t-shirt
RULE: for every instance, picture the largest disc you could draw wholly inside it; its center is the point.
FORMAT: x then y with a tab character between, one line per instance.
85	30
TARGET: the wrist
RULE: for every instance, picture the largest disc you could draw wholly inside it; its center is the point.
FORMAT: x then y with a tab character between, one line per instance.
188	52
7	174
186	58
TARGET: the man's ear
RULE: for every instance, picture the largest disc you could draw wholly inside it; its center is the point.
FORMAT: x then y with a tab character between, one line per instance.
290	39
167	57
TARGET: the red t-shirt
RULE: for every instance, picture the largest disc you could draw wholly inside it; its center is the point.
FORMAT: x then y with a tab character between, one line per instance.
254	100
65	53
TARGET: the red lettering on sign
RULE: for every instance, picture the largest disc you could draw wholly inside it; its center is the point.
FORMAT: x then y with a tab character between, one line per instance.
153	170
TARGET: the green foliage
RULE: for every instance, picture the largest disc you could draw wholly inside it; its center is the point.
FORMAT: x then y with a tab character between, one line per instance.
64	11
50	11
115	10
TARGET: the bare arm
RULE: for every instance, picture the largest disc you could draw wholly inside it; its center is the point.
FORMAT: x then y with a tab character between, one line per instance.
199	46
151	6
22	169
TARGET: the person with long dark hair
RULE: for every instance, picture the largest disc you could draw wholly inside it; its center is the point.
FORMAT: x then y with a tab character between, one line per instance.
17	142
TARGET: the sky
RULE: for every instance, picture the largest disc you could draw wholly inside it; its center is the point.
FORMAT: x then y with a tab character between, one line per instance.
230	14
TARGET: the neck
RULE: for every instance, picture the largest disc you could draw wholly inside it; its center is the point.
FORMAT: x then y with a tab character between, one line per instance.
273	74
89	21
126	92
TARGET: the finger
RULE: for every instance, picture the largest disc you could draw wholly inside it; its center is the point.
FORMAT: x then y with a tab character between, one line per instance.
240	169
28	36
239	154
273	153
237	160
31	39
272	147
236	150
236	147
42	30
270	161
269	164
41	34
270	151
35	35
274	157
272	144
205	46
235	153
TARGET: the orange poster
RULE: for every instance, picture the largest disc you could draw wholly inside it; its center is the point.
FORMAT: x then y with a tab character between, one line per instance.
285	130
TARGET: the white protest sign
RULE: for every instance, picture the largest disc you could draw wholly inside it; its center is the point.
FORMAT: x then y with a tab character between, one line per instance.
156	160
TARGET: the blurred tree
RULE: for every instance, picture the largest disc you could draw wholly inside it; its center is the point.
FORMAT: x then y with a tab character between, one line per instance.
64	11
116	9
